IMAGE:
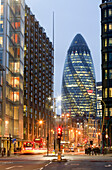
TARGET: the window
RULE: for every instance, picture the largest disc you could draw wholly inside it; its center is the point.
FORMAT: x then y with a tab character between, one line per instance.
110	92
110	111
16	96
110	27
110	41
105	74
110	12
110	74
110	56
1	42
105	93
1	56
105	13
106	111
105	27
1	26
105	57
105	42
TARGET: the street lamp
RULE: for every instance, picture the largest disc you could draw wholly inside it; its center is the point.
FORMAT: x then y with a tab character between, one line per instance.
40	122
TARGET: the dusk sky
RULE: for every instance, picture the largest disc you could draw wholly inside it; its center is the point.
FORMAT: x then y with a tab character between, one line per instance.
71	17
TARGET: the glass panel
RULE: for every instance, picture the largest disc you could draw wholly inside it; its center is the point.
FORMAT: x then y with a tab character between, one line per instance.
1	57
110	12
16	96
110	74
110	111
110	92
110	41
16	82
105	74
106	111
1	26
105	28
105	92
105	13
16	68
110	56
1	41
110	26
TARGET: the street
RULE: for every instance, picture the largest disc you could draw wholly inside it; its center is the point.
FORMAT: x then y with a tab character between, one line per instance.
41	162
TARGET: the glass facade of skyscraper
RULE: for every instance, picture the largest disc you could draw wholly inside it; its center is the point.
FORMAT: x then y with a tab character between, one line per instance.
12	61
78	83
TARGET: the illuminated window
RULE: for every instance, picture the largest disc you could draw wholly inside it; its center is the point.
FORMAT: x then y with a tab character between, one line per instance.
105	28
110	74
110	92
17	67
110	12
105	93
1	9
110	111
105	42
105	74
110	41
16	81
110	26
1	26
106	111
1	42
105	57
16	96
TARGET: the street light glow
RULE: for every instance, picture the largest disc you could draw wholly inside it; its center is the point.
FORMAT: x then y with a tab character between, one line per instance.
40	122
59	98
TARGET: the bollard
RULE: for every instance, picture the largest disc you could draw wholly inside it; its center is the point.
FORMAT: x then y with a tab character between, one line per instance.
59	156
2	153
8	153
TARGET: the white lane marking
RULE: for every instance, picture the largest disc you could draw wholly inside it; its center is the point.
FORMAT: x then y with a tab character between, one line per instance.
41	168
10	167
14	167
44	166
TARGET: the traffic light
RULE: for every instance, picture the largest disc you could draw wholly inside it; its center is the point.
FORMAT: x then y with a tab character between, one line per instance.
59	132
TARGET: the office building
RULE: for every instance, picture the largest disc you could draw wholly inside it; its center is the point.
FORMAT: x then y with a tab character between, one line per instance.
11	71
99	99
38	80
78	83
106	51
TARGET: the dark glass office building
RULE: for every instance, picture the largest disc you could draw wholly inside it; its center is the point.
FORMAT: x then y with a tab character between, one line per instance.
78	83
106	40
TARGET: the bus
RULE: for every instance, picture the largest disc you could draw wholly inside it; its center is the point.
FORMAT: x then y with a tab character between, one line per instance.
33	147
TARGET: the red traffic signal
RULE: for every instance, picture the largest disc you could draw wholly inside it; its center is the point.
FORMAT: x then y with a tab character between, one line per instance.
59	131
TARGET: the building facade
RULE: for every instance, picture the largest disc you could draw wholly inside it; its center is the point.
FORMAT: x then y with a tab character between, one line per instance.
78	83
11	71
38	80
99	99
106	50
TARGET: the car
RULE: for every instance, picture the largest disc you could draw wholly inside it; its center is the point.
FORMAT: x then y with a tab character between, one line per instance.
71	149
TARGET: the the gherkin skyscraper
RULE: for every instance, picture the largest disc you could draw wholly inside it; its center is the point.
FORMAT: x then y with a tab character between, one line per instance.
78	82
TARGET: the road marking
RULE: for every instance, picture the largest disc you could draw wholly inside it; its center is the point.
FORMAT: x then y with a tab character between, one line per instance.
10	167
14	167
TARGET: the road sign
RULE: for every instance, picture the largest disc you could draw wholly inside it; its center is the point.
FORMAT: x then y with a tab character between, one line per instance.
14	140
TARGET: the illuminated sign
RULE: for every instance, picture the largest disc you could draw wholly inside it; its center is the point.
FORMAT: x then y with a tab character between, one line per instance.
90	91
